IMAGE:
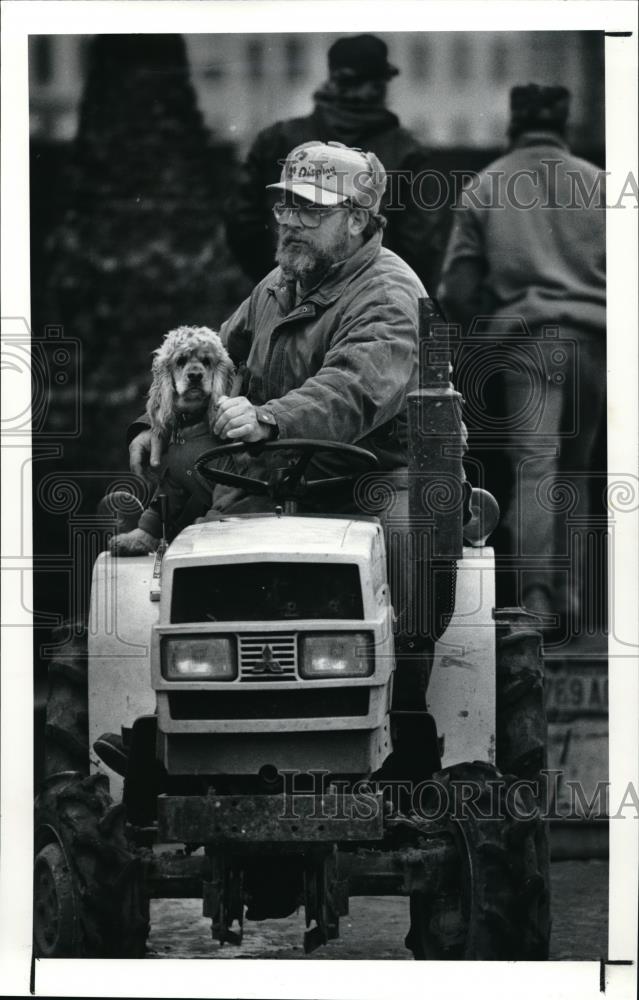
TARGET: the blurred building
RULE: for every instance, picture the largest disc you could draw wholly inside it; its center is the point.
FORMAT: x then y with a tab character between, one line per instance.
452	90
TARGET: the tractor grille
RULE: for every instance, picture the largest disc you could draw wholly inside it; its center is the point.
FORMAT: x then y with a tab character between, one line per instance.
302	703
271	657
266	592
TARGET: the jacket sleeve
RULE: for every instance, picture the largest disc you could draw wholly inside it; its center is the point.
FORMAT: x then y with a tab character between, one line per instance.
462	292
141	423
236	333
150	520
367	370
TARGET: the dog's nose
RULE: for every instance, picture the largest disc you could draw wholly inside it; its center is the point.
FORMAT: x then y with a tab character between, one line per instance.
195	376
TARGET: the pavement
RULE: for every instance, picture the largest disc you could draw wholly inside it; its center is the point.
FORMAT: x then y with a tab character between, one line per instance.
375	926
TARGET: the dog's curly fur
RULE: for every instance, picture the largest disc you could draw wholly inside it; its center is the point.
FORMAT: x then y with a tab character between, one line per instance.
191	371
189	342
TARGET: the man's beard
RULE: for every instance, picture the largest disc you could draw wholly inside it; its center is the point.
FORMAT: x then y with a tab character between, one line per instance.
304	263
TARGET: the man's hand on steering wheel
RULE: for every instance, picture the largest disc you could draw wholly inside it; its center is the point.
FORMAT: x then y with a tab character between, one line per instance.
237	420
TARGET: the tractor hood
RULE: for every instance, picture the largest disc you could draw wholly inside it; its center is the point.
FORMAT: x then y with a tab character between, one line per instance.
268	537
263	539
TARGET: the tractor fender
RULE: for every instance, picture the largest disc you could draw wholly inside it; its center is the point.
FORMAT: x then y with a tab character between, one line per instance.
119	649
461	691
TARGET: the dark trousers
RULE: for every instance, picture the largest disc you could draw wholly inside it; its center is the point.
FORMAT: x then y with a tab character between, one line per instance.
556	409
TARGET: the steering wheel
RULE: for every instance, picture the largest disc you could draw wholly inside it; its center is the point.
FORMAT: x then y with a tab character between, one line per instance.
283	484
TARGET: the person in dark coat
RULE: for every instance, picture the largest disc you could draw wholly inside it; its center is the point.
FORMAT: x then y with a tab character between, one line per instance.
350	107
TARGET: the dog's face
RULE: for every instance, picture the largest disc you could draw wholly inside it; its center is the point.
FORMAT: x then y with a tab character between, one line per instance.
192	372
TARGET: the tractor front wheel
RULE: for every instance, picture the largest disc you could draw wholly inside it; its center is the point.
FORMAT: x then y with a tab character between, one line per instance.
498	909
89	899
54	904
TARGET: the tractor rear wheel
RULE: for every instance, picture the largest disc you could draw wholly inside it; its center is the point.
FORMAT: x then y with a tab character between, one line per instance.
522	727
66	733
498	910
89	898
522	731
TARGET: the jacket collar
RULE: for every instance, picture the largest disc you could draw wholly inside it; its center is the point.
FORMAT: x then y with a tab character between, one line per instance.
539	137
185	430
334	281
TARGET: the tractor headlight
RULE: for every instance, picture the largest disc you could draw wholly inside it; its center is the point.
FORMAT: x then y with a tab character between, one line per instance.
199	658
336	654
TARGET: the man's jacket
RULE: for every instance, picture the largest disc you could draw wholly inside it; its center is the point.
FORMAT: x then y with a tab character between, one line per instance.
338	363
528	240
415	232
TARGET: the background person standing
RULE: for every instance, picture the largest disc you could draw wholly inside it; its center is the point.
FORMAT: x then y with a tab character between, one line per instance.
527	253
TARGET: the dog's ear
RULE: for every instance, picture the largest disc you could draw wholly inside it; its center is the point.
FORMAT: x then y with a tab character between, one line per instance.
222	383
160	404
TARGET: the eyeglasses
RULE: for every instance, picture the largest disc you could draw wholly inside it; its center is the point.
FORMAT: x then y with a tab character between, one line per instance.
309	217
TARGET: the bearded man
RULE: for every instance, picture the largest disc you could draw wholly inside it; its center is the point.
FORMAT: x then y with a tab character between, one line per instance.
328	340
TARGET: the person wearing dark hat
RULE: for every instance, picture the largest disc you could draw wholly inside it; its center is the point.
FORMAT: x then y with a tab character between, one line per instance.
527	256
350	107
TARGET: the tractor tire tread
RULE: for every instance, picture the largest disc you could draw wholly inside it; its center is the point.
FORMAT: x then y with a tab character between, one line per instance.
502	892
66	733
521	727
113	915
75	672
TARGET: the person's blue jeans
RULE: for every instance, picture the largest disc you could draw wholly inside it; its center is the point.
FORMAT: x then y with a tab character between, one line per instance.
556	411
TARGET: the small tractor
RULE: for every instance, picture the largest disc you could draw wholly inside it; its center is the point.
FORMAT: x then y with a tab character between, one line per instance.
267	743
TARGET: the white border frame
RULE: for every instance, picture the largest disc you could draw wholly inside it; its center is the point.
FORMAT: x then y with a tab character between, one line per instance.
277	978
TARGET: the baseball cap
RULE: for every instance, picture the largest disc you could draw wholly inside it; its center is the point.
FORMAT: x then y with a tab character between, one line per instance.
329	173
